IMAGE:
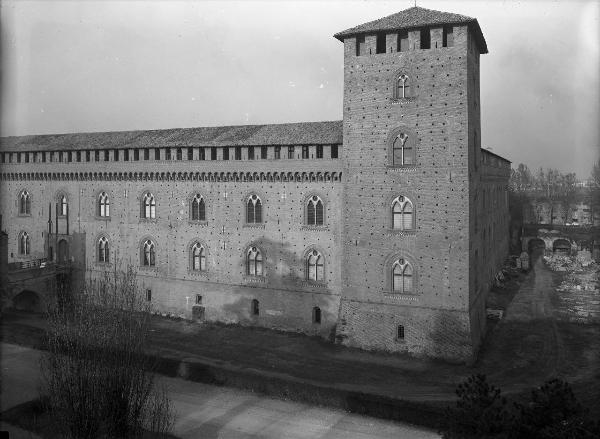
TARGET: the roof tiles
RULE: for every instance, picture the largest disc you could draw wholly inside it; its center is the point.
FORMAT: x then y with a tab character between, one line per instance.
329	132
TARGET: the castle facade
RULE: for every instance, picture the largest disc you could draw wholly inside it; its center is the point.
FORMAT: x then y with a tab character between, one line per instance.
382	231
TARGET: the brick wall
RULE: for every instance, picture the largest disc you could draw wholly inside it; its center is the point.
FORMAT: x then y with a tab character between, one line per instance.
443	115
286	297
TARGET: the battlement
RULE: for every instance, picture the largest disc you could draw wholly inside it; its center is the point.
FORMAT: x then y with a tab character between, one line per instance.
412	29
405	40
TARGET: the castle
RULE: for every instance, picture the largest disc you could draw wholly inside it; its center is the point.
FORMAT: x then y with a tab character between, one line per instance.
383	230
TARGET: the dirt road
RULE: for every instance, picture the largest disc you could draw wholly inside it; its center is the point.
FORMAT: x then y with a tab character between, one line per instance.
532	302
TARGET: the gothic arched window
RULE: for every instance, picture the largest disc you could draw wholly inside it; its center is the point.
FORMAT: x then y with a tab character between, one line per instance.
64	207
315	269
314	211
254	262
25	203
402	276
103	249
148	255
253	210
198	254
402	150
402	214
103	205
24	243
402	86
198	208
148	206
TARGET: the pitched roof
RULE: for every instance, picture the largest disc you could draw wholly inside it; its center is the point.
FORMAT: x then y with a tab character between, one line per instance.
413	18
275	134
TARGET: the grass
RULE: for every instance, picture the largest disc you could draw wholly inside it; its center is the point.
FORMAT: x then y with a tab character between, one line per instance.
516	356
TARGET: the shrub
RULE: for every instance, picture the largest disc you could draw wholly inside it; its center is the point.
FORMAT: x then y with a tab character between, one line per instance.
554	413
480	411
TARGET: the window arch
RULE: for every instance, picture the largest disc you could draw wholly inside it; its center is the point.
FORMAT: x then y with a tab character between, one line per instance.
402	214
24	243
254	210
148	206
402	86
402	150
148	253
198	257
24	203
315	211
103	250
254	262
198	208
315	267
63	205
402	276
103	204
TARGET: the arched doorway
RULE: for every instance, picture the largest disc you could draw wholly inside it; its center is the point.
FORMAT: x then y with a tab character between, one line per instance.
536	244
561	246
27	300
63	251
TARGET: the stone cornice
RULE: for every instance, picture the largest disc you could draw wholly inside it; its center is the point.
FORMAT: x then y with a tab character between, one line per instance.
275	177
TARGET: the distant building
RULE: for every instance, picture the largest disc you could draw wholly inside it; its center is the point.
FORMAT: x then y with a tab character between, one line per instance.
383	230
590	183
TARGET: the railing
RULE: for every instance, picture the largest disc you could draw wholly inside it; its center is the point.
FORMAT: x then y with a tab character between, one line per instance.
32	263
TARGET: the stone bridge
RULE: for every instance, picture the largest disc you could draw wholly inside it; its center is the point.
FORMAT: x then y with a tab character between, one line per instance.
30	285
560	238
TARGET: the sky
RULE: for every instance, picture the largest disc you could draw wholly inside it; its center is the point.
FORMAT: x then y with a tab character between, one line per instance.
86	66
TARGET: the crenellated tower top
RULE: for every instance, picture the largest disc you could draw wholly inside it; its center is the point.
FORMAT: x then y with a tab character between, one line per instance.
415	21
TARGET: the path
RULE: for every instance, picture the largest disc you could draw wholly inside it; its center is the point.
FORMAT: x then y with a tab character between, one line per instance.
533	301
216	412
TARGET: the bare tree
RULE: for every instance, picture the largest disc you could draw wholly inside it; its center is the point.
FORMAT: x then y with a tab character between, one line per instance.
521	179
96	375
596	173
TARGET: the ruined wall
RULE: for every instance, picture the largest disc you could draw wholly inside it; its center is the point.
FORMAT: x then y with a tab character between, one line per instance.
540	210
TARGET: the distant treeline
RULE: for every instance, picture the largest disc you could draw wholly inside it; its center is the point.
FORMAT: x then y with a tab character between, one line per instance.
549	183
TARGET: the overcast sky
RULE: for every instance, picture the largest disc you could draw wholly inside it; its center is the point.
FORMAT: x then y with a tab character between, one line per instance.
106	66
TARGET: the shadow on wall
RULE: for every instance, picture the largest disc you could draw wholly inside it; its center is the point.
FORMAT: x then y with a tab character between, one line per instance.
450	337
314	310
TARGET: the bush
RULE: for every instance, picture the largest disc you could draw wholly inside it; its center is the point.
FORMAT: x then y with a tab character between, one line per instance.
480	411
95	374
553	413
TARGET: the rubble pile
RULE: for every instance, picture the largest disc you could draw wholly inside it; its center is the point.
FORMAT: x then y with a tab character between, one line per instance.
558	262
579	293
587	281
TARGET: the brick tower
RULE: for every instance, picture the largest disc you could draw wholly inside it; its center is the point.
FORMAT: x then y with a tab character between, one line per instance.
411	133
